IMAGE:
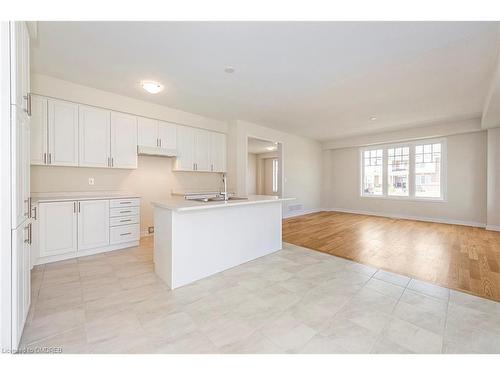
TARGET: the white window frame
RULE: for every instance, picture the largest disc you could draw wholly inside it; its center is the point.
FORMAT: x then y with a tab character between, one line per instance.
411	180
275	175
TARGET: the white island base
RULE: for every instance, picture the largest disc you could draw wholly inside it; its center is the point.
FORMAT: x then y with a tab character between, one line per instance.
195	240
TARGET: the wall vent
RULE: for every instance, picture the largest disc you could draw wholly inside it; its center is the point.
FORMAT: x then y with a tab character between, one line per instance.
295	207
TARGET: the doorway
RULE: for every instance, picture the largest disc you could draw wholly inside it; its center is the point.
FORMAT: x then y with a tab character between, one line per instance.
264	167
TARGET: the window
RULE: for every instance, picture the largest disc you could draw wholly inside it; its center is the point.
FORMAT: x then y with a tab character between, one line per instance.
372	172
398	171
275	175
414	170
428	170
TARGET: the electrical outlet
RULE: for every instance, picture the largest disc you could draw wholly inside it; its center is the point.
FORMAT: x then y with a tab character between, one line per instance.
91	180
151	230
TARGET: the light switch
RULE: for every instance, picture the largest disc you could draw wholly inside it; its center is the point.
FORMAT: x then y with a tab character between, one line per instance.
91	180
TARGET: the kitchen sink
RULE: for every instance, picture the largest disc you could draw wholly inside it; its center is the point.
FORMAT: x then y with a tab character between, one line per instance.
218	199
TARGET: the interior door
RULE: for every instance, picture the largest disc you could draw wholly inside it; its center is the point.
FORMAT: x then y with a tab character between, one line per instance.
147	132
57	228
167	135
38	130
62	133
202	150
21	280
123	140
93	224
94	140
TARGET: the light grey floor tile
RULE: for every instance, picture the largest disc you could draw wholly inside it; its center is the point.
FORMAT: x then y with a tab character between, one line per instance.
393	278
412	337
384	287
429	289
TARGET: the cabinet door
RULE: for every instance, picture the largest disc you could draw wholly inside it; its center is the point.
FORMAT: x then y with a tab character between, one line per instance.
167	135
62	133
38	130
20	64
217	152
93	224
57	229
202	150
20	166
147	132
21	281
185	149
123	140
94	143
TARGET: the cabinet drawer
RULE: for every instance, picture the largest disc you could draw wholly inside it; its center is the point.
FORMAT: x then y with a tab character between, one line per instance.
126	220
124	233
124	211
129	202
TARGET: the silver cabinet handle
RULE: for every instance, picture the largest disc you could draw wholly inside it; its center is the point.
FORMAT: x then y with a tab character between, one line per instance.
125	202
74	207
78	206
28	103
160	142
125	220
125	234
27	212
125	212
44	158
34	212
29	240
50	158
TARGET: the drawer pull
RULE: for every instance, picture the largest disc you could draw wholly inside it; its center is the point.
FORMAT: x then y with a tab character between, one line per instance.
124	221
125	202
125	234
125	212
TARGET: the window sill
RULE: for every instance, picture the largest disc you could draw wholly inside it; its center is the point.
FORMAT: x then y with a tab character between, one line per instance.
405	199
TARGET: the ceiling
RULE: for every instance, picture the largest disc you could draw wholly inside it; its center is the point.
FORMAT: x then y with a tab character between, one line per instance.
259	146
323	80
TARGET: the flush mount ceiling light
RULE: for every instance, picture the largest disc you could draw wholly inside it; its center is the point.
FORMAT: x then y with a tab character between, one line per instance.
229	69
152	87
373	118
271	148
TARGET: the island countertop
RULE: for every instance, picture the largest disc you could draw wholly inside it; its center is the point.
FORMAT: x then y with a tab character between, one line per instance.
179	204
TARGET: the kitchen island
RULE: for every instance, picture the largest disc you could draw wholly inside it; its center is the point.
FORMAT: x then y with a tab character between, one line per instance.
196	239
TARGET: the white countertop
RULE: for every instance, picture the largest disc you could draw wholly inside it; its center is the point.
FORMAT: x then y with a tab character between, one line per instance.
180	204
80	196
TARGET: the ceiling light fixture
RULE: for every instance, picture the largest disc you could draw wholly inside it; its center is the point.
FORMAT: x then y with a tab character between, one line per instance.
229	69
271	148
373	118
152	87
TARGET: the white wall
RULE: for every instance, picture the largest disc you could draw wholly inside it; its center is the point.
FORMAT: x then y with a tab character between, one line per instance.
493	205
302	159
252	174
466	177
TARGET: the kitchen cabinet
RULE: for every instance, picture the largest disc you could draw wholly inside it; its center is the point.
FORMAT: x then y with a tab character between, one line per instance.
217	152
94	137
21	280
20	65
154	133
54	135
185	149
57	228
93	224
123	140
21	205
202	150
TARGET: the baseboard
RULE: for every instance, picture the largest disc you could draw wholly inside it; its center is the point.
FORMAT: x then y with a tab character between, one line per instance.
289	214
83	253
410	217
495	228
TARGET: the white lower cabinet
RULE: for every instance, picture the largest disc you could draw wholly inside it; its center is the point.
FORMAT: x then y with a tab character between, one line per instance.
67	229
93	221
57	228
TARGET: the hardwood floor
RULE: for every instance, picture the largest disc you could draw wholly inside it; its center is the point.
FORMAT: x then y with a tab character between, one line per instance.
453	256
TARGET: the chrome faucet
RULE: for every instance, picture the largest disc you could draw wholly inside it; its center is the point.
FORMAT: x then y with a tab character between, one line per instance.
224	193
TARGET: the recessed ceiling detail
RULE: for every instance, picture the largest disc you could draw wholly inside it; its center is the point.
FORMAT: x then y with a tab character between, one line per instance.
318	79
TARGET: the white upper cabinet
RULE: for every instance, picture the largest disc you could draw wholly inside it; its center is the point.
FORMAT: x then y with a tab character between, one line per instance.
62	133
123	140
185	149
94	137
217	152
167	135
57	228
38	130
147	132
93	224
202	150
20	166
20	65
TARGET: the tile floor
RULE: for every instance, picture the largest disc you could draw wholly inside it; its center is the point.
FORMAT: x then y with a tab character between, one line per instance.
293	301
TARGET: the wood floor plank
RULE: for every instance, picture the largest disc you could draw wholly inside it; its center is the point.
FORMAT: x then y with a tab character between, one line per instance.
453	256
